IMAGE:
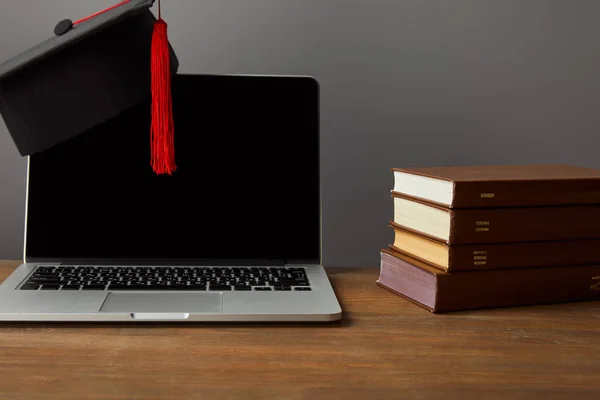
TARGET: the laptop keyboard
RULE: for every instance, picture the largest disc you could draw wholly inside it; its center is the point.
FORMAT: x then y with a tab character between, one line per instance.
70	277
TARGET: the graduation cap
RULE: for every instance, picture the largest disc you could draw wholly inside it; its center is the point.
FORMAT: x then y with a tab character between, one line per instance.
88	72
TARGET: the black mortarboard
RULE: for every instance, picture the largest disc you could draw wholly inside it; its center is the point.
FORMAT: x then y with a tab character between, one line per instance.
90	71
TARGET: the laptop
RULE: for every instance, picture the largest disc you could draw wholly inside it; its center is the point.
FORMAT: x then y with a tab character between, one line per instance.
233	235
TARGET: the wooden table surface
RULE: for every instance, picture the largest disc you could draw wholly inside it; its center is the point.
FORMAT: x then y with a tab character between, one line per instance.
384	348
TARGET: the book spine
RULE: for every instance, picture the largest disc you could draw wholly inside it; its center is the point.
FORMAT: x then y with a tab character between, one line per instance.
525	193
505	288
506	225
523	255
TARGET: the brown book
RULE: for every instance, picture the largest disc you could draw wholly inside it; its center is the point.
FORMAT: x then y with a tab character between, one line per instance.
478	257
439	291
500	185
497	225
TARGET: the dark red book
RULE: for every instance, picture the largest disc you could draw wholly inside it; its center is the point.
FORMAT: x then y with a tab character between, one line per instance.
439	291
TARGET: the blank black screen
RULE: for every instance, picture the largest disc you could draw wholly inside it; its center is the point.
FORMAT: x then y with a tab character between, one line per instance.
246	185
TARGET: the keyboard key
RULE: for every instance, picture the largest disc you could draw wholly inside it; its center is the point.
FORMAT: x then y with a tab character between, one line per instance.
45	281
285	282
284	288
126	287
244	288
93	287
44	276
302	288
263	288
196	287
70	287
50	287
30	286
219	287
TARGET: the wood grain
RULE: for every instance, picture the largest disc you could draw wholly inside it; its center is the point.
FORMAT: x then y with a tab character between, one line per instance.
384	348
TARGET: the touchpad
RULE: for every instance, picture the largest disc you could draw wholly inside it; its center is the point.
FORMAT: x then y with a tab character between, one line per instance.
163	302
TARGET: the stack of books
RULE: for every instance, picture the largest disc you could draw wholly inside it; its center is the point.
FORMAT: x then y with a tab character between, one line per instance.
494	236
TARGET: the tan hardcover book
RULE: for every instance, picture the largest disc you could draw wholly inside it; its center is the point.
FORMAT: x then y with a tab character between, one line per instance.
497	225
439	291
478	257
501	185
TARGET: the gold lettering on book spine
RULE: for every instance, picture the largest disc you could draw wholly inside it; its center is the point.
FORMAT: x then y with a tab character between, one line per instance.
596	285
479	257
488	195
482	226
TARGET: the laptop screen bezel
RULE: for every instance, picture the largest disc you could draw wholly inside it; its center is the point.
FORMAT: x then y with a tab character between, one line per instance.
156	261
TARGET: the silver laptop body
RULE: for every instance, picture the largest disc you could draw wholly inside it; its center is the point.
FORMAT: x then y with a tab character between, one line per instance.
87	281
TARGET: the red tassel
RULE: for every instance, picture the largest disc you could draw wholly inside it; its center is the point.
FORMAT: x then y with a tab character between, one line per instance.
162	142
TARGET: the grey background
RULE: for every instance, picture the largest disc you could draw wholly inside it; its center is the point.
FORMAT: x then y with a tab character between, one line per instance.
404	83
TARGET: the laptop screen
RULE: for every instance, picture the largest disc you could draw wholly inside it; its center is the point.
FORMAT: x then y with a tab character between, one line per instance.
246	186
